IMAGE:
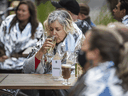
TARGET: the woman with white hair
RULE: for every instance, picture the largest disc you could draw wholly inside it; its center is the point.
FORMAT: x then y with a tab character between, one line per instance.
59	24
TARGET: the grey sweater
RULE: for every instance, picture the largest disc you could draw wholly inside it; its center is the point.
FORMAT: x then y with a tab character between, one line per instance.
29	66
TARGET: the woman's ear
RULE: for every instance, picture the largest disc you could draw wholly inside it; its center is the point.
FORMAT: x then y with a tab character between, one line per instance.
97	52
97	57
83	16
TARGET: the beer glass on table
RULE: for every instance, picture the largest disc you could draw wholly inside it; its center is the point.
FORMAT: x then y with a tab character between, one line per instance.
66	73
72	60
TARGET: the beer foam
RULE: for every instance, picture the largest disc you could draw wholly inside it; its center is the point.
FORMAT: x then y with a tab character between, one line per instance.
66	65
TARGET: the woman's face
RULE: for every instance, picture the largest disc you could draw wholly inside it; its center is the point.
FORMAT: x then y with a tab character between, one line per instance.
81	16
74	17
23	12
90	54
57	30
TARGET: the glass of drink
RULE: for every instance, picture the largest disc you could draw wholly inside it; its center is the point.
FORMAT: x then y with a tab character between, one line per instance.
66	73
71	59
50	53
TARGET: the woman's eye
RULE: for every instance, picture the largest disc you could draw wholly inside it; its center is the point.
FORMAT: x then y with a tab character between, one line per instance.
18	10
51	29
23	10
58	29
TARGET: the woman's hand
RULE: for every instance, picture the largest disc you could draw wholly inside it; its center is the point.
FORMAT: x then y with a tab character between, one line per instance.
3	58
43	50
47	45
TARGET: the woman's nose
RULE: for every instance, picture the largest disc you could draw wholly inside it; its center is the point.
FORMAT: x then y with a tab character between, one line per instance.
20	12
113	10
54	32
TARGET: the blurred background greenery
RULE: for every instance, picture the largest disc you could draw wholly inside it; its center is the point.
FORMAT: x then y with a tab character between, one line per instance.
43	11
104	16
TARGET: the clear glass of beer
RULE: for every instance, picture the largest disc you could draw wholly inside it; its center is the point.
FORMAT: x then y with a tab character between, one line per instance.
49	54
66	73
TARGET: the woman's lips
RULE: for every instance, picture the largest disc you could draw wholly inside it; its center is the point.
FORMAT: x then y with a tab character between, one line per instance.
20	16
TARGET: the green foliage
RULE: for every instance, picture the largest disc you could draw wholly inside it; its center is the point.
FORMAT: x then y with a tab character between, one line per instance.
105	17
43	10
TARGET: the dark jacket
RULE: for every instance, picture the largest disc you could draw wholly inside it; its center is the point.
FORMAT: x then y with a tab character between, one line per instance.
85	24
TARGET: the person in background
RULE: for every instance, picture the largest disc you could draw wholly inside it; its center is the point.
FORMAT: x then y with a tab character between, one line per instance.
121	12
18	32
72	7
107	75
84	22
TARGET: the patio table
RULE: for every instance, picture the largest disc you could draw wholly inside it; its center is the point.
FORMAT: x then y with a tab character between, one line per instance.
32	81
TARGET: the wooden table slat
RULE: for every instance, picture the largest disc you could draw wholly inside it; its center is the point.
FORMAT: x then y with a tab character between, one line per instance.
2	77
33	81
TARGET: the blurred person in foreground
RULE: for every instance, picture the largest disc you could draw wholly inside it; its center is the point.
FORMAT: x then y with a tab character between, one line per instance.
18	32
72	7
84	22
107	75
121	12
123	31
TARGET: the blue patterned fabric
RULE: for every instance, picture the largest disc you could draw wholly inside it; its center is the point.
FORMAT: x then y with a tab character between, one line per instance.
92	24
106	92
102	81
83	25
125	20
16	41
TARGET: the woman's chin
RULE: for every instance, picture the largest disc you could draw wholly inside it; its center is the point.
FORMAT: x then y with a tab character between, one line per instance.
57	41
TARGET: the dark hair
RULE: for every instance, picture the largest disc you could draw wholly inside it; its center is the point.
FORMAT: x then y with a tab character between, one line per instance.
70	5
124	34
33	16
122	71
108	45
124	5
84	9
123	66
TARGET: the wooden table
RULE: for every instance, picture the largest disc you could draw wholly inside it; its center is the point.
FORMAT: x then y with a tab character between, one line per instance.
32	81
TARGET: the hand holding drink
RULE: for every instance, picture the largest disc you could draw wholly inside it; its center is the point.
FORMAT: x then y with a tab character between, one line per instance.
47	47
50	53
53	40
